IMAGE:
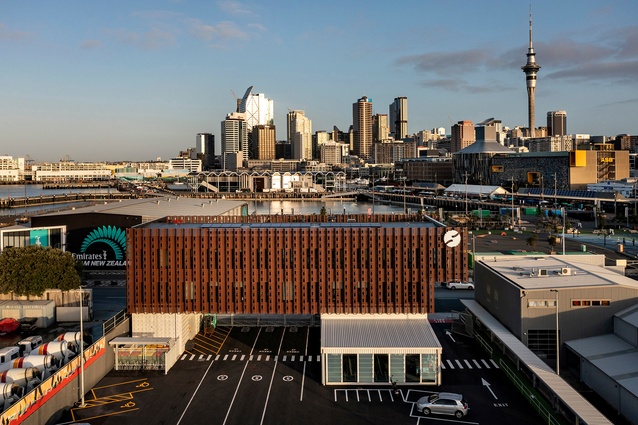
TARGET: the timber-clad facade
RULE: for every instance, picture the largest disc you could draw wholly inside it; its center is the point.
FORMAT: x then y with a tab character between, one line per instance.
261	266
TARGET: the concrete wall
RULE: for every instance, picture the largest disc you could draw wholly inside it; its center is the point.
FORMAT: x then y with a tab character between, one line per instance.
47	402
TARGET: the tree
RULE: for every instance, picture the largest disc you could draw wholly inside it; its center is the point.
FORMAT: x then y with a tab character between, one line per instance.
552	242
31	270
323	211
532	240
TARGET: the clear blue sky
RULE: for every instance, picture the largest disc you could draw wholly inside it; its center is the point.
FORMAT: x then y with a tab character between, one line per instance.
135	80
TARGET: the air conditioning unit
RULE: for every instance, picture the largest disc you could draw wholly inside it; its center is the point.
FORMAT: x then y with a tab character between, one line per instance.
565	271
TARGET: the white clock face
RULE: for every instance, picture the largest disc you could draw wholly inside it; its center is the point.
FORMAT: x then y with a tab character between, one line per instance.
452	238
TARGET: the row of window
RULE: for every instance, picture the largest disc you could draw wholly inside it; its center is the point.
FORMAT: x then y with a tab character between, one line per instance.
575	303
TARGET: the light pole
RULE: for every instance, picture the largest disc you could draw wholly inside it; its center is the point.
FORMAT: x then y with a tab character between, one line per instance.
557	335
81	344
562	212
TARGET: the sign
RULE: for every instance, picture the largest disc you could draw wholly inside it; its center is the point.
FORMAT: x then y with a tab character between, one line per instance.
100	248
452	238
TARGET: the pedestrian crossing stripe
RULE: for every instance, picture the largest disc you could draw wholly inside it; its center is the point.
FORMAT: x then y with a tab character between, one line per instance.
445	363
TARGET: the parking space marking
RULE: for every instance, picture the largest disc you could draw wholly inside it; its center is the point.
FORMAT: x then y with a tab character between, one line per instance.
241	359
494	363
459	363
234	357
241	378
194	393
303	376
272	378
284	359
469	366
476	363
225	356
217	357
192	357
450	364
184	356
209	357
259	357
250	358
268	358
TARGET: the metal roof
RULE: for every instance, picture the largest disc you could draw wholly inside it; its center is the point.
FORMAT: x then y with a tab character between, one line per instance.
581	271
613	356
302	225
134	341
155	208
579	405
629	315
383	333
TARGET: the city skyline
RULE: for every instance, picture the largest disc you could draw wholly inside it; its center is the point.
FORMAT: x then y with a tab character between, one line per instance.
122	81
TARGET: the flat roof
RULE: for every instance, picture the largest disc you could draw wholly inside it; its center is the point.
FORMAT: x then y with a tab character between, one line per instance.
613	356
570	397
377	333
155	208
553	271
122	340
299	225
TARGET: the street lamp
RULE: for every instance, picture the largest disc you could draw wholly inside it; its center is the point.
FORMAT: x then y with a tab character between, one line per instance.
557	335
562	213
81	344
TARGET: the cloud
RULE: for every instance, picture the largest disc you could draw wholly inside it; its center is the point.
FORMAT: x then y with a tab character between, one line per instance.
6	34
152	39
462	86
610	56
235	8
222	31
91	44
446	63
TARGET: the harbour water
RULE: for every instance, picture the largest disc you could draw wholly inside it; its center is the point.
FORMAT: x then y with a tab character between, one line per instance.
335	206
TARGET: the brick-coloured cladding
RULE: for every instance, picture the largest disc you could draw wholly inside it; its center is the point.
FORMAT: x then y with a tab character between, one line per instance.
296	269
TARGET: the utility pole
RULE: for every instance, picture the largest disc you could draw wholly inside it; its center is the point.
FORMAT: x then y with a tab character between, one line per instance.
512	196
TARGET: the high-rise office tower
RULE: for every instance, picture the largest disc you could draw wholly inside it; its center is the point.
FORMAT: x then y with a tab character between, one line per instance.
299	129
463	135
556	123
234	136
264	142
530	69
362	128
257	110
380	127
399	118
205	143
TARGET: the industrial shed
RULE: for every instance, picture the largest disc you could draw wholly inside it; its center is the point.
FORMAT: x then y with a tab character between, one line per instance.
375	349
609	363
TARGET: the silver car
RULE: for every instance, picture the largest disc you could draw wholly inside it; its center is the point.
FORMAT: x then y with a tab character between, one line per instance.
459	285
444	404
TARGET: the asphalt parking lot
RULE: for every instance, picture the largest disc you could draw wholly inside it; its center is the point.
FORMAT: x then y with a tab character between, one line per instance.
273	376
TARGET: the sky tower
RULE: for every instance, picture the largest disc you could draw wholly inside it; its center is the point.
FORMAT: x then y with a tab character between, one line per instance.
530	69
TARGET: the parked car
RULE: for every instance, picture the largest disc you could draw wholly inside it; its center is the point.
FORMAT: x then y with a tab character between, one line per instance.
458	285
444	404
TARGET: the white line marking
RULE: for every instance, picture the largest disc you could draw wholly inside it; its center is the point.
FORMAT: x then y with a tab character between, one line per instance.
309	358
469	366
335	396
485	363
251	358
240	379
380	396
259	357
194	392
476	363
346	391
201	356
272	378
209	357
449	362
494	363
217	357
184	356
284	359
369	398
292	358
234	357
225	357
318	357
303	377
459	363
358	400
241	359
268	357
192	357
442	365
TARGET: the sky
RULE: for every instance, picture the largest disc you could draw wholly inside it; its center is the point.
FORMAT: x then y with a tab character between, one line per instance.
137	80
